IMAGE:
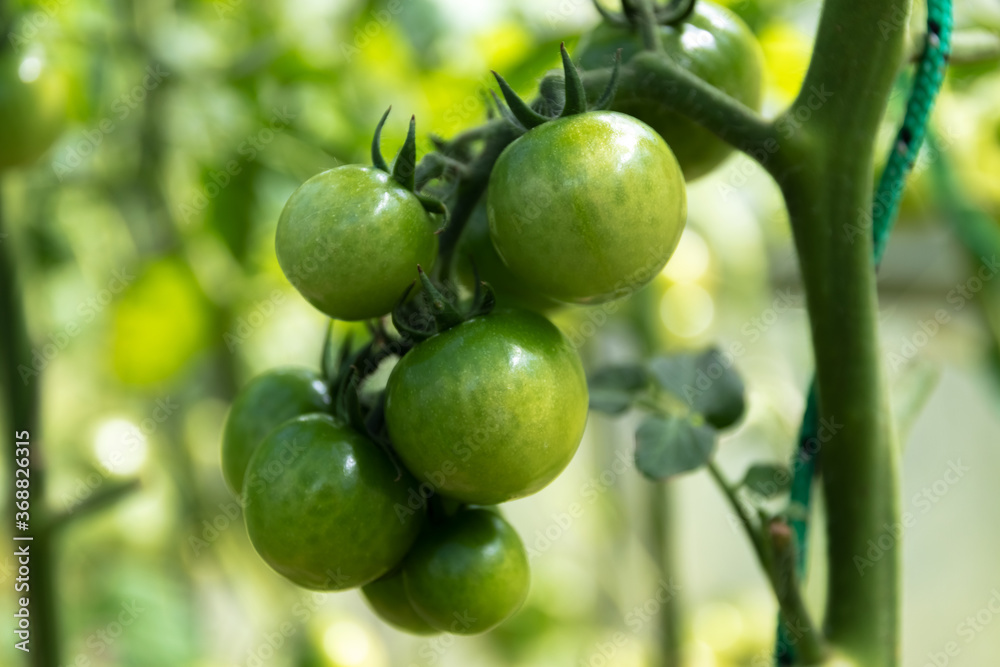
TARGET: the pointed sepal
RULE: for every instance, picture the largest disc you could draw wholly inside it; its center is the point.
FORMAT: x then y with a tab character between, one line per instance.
325	360
576	98
446	314
608	96
405	163
402	322
521	110
377	159
505	113
432	204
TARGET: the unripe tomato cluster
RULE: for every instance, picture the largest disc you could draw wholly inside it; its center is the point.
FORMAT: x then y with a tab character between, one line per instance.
489	410
483	405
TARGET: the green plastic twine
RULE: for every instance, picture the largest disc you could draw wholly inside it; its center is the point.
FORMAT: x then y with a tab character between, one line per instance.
927	82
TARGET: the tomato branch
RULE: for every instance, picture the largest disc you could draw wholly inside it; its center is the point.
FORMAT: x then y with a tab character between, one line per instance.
776	558
858	49
655	76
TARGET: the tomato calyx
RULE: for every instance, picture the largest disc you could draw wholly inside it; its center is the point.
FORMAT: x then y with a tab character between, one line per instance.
404	166
572	101
674	12
344	379
437	308
346	376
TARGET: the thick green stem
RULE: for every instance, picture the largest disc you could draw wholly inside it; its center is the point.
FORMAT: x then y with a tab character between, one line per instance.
821	154
829	193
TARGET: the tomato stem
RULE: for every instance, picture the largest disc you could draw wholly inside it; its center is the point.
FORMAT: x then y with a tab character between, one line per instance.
777	559
827	195
649	27
667	83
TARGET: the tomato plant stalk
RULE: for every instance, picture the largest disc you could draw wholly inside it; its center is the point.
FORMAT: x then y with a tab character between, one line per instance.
821	154
859	47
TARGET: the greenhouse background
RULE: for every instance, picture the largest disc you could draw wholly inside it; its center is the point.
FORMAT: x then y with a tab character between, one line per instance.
145	244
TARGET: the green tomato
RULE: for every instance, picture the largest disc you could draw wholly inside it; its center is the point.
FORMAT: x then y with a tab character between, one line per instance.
32	109
469	574
261	406
587	208
714	45
321	505
388	599
490	410
350	239
475	245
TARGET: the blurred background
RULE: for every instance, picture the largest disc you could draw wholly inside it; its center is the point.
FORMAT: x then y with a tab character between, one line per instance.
144	244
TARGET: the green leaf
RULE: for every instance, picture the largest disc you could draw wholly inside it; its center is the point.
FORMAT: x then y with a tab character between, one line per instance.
611	401
673	373
631	377
706	382
612	389
668	446
767	479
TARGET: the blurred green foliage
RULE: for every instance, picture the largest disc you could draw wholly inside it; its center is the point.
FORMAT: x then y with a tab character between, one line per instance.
145	245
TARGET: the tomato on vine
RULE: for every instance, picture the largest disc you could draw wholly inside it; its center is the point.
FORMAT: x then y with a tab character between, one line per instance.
468	574
268	400
490	410
388	599
586	206
479	258
713	44
322	505
350	238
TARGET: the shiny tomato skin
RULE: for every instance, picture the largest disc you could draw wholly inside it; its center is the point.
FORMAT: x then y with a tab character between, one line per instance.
325	507
388	599
468	574
264	403
475	248
490	410
713	44
587	208
350	239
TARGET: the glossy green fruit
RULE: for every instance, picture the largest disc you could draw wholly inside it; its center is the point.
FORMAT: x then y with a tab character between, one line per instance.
490	410
388	599
587	208
322	505
714	45
262	405
468	574
475	246
32	108
350	239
